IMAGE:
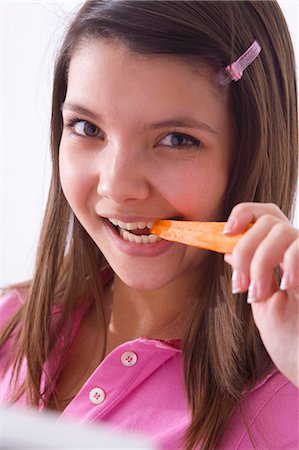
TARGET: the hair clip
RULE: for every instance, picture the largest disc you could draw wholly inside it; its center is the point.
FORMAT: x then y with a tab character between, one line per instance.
234	71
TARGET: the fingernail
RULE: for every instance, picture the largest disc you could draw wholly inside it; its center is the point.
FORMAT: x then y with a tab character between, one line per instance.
228	226
236	282
284	282
251	296
228	258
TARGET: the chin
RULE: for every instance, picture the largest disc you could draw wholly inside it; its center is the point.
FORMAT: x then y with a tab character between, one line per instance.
147	282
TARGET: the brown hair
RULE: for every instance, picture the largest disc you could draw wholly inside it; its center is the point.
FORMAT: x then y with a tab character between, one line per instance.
223	353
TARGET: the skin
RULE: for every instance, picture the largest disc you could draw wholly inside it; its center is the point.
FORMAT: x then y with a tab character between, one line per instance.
272	242
130	168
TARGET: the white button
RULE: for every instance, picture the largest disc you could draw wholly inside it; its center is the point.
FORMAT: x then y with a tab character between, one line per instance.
129	359
97	395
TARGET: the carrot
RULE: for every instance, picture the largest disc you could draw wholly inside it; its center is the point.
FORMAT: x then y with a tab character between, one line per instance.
208	235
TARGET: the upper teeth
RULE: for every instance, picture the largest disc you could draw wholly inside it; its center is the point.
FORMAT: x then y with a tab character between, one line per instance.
131	225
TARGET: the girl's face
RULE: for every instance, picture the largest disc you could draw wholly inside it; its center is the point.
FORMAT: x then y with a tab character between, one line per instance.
145	137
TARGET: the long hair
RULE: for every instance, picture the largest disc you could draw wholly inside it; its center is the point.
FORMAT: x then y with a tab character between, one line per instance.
222	352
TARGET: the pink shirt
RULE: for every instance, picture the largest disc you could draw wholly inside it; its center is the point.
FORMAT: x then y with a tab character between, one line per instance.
139	387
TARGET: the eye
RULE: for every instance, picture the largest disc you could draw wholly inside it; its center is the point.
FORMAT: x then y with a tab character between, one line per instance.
180	140
84	128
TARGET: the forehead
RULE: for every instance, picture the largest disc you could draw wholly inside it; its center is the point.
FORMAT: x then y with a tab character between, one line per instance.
103	55
123	85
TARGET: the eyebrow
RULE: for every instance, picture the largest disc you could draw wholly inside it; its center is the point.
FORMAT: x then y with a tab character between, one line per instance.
180	121
184	122
78	109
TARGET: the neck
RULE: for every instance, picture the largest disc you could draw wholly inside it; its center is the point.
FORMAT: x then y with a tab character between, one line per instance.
158	314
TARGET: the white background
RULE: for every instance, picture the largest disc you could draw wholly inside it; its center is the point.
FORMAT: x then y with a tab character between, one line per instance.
31	32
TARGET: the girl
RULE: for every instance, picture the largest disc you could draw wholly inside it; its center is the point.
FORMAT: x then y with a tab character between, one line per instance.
148	123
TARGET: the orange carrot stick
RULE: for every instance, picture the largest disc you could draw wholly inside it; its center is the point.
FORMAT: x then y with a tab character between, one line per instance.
208	235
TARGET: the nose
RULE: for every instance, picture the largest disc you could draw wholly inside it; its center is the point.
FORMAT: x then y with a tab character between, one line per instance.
122	175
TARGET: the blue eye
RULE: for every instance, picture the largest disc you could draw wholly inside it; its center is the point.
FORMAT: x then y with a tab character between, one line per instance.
84	128
179	140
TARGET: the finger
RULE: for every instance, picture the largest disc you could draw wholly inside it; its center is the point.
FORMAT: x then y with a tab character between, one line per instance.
290	265
252	297
245	250
267	256
245	213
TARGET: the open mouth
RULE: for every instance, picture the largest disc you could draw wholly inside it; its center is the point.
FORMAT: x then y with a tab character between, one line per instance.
137	232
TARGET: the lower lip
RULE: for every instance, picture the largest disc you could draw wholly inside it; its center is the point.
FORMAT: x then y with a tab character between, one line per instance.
133	249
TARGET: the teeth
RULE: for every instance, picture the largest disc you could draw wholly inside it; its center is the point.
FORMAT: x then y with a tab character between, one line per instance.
114	222
132	225
124	231
150	239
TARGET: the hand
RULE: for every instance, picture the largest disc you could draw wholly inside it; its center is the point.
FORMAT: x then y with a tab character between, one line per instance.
271	242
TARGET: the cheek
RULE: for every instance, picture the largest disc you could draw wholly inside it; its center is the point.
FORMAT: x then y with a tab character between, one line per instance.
196	191
75	178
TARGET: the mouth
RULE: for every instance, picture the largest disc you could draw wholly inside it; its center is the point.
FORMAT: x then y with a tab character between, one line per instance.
137	232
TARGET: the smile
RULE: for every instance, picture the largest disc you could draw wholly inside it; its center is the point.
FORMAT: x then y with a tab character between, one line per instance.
136	232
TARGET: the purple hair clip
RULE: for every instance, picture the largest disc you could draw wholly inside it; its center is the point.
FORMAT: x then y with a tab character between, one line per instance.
234	71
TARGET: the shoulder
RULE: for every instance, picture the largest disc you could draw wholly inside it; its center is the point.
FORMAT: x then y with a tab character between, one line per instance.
275	396
275	389
10	303
267	418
